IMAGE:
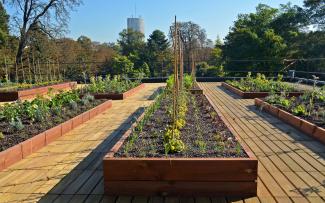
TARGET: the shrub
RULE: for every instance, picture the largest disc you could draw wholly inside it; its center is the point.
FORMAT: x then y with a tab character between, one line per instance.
188	81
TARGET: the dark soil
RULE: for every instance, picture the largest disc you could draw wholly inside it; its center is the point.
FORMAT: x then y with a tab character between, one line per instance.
31	129
204	135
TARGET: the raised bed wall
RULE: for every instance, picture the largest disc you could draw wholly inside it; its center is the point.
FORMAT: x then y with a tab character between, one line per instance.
22	150
253	95
179	176
33	92
299	123
119	96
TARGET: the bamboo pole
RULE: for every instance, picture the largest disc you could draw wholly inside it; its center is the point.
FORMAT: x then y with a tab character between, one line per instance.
175	89
180	47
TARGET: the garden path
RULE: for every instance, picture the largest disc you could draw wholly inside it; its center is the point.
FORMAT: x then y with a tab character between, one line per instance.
291	164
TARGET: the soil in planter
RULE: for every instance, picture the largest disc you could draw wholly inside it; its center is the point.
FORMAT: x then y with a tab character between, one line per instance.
213	139
315	117
13	137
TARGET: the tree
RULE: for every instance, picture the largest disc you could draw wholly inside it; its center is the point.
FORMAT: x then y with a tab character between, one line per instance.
193	37
252	43
48	16
157	52
4	19
131	42
316	12
122	65
145	69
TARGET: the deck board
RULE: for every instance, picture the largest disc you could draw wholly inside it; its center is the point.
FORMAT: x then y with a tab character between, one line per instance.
291	164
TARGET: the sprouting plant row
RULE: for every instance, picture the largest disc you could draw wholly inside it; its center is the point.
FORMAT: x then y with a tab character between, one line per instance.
117	84
17	115
310	105
261	84
10	86
139	127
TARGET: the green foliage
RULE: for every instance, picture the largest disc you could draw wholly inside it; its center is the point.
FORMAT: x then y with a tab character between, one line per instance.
131	42
170	82
157	52
4	19
299	110
310	104
17	124
203	69
122	65
201	145
261	84
115	85
40	109
2	136
188	81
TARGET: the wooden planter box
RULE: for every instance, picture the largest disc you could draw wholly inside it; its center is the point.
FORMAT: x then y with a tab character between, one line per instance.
22	150
33	92
297	122
196	91
179	176
253	95
119	96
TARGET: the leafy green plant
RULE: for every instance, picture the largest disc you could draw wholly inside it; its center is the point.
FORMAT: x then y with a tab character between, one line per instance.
73	105
2	136
17	124
117	84
170	82
299	110
201	145
188	81
261	84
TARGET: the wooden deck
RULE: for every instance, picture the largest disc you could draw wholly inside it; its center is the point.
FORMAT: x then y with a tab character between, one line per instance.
291	165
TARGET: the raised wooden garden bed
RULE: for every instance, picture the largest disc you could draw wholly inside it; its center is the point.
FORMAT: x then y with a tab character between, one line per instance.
33	92
22	150
196	89
179	175
119	96
299	123
253	95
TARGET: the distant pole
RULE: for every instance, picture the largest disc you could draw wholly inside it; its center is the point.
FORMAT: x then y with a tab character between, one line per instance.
29	71
22	68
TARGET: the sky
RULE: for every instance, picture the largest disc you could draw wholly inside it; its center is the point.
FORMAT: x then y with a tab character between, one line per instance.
102	20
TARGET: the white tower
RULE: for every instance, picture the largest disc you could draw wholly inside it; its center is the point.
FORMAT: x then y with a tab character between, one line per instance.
136	24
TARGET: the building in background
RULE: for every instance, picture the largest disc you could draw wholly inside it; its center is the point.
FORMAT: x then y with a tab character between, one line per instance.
136	24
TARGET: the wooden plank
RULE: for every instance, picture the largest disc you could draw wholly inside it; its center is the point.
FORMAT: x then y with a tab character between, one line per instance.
218	200
268	151
293	164
109	199
179	188
156	199
187	200
94	198
124	199
165	169
202	200
140	199
43	172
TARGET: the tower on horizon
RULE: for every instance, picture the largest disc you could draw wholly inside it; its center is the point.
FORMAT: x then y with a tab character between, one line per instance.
136	24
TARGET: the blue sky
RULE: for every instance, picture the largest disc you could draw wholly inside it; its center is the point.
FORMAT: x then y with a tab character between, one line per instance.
102	20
